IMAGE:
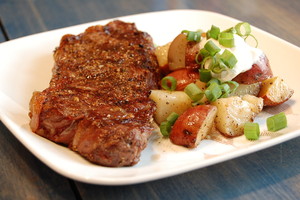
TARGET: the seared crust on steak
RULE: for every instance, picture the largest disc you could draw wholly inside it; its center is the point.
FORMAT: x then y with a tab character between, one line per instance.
97	102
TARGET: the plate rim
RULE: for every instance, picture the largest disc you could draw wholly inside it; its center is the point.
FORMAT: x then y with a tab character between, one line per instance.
129	180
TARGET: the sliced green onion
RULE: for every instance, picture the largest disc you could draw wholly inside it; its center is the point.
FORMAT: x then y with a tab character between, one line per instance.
213	32
234	85
172	118
230	30
225	90
169	83
212	48
207	62
228	58
165	128
226	39
204	53
194	92
277	122
218	67
243	29
256	41
251	130
193	36
213	80
205	75
213	92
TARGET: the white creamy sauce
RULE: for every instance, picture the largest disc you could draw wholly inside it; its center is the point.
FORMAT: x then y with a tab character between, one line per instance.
244	53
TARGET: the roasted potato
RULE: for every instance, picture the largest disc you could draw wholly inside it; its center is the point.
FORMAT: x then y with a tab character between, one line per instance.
168	102
193	125
177	51
234	111
184	77
161	53
260	71
243	89
275	91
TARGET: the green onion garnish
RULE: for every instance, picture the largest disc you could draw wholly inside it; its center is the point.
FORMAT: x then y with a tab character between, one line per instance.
230	30
226	39
218	67
172	117
277	122
194	92
197	36
205	75
234	84
213	32
212	48
228	58
169	83
192	35
207	62
213	92
243	29
204	53
213	80
166	126
251	130
256	41
225	90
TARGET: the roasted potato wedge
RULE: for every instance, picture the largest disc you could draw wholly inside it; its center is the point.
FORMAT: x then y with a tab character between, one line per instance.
260	71
243	89
177	51
161	53
168	102
193	125
234	111
275	91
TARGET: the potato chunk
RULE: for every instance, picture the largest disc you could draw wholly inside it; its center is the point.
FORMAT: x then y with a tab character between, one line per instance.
275	91
193	125
243	89
168	102
234	112
176	54
161	53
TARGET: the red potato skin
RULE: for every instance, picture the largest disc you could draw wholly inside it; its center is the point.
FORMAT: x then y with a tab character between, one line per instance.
186	127
192	50
184	77
259	72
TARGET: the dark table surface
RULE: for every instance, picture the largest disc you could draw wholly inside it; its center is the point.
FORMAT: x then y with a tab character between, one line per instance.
273	173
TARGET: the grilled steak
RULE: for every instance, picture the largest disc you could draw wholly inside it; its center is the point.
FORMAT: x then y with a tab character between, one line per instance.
97	102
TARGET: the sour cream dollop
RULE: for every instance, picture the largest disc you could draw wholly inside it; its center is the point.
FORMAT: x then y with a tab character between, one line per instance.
244	53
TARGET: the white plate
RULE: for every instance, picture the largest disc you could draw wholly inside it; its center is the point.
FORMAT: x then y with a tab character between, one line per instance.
26	64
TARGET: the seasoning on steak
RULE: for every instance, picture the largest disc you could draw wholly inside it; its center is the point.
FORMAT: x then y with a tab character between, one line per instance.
97	102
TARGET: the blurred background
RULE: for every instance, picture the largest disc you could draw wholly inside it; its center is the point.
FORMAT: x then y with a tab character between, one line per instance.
25	17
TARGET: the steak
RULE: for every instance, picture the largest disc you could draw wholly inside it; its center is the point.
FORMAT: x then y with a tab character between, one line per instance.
97	102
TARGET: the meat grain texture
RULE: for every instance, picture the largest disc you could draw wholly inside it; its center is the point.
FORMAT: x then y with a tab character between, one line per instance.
97	102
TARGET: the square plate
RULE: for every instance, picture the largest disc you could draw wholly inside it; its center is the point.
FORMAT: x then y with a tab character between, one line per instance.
26	64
